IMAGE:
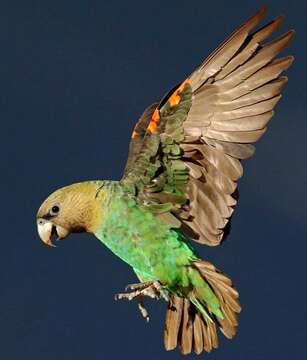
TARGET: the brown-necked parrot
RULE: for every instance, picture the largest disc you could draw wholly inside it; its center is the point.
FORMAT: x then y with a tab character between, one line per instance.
180	184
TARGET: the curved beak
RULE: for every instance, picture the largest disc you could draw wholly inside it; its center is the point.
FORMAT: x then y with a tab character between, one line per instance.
46	229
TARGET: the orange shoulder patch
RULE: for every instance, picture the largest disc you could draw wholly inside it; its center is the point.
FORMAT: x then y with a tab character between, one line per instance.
154	122
173	100
175	97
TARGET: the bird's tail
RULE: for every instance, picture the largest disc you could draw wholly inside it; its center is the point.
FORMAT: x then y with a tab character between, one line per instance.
211	302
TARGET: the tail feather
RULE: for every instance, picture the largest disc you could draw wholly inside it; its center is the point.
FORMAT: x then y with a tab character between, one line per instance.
186	334
188	327
173	322
198	343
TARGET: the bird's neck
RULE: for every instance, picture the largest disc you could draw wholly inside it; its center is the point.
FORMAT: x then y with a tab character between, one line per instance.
92	199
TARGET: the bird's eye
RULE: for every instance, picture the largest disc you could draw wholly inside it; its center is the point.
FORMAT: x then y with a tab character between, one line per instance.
54	210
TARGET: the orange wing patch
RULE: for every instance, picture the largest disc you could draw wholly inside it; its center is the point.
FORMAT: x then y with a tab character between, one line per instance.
154	122
175	97
173	100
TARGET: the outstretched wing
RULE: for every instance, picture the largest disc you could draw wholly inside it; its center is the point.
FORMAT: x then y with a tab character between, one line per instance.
188	160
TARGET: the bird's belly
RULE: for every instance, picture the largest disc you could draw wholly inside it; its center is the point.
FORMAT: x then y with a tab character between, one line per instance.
143	241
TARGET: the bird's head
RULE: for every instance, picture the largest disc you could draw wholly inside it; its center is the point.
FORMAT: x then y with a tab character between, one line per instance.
67	210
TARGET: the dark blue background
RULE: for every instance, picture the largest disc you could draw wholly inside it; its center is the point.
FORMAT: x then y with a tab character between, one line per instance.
74	76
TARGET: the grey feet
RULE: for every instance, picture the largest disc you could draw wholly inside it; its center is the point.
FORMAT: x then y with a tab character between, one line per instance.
152	289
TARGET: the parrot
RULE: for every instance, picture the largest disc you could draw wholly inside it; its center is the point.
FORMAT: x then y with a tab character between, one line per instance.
179	185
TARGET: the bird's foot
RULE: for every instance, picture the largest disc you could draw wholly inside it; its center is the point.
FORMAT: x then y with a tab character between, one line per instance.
142	308
152	289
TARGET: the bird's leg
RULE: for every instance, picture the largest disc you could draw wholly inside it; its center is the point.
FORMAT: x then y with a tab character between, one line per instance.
163	293
152	289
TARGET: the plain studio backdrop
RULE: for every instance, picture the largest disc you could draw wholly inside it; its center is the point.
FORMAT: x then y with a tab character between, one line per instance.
75	76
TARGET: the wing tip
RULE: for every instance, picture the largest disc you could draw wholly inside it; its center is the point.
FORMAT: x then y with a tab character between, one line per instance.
262	11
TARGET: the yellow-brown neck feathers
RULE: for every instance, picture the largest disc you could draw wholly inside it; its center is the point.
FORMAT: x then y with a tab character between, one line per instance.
79	206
